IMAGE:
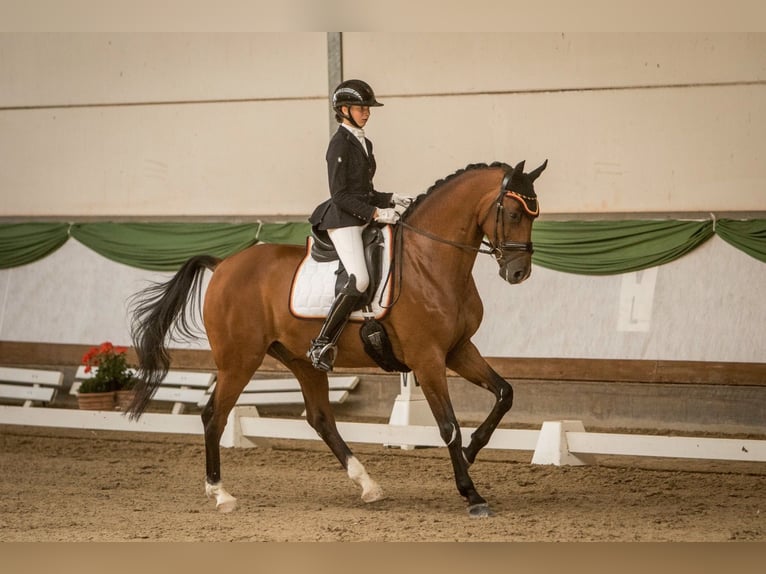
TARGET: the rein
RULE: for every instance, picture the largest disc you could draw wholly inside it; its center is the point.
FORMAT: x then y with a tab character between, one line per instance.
463	246
487	247
496	249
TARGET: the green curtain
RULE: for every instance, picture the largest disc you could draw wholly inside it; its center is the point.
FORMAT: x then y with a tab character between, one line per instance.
290	233
747	235
611	247
22	243
163	246
582	247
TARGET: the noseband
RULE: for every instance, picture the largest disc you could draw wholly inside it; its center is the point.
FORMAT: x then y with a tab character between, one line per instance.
496	248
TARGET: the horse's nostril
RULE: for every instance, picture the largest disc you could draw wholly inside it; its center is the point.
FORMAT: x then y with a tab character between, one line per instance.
514	275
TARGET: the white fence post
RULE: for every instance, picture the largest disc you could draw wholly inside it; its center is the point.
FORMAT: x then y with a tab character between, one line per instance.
410	407
232	435
553	447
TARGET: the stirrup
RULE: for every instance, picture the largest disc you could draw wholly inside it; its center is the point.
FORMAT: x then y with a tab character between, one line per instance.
322	355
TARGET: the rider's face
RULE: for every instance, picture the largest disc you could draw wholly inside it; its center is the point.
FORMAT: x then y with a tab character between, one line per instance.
360	114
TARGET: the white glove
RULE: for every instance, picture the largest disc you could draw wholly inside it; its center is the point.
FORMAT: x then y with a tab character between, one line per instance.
387	215
402	200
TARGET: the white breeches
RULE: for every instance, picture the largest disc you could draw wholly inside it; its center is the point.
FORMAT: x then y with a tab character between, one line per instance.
348	244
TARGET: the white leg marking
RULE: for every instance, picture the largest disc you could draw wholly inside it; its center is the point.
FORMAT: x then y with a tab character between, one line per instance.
454	435
371	490
224	501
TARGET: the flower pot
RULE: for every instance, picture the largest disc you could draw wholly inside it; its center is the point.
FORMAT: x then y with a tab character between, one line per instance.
96	401
124	398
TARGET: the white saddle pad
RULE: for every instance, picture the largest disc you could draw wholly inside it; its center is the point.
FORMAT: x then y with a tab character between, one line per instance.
313	289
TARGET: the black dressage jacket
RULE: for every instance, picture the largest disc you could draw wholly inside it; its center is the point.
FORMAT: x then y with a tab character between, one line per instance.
353	198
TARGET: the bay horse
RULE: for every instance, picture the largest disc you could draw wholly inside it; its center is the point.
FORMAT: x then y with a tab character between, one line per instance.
437	310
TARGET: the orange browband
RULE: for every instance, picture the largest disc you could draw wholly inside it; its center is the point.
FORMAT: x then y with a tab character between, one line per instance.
523	199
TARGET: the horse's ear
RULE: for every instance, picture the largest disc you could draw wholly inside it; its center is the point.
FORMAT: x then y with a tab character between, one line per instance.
536	173
514	176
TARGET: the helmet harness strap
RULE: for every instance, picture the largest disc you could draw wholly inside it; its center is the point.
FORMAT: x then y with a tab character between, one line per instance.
348	117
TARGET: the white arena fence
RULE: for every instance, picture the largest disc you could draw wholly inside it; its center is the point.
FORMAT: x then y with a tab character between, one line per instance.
410	425
557	442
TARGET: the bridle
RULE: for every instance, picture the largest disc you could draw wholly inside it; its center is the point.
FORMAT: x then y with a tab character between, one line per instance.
498	247
495	248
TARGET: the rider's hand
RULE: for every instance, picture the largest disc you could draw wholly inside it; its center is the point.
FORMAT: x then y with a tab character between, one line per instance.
387	215
402	200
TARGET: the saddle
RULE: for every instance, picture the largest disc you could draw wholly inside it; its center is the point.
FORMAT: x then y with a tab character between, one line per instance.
323	251
311	293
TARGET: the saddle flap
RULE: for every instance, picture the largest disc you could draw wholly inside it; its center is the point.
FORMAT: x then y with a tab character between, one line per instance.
322	249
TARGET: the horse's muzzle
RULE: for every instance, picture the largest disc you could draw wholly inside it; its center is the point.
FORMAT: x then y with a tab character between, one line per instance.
516	270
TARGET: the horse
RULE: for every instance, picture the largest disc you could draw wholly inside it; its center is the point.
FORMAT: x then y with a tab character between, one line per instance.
436	311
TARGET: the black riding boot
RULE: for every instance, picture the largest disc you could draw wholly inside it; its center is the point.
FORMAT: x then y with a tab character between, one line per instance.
323	348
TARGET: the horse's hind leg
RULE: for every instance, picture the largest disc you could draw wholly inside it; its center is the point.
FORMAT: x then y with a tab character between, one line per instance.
319	415
469	364
214	416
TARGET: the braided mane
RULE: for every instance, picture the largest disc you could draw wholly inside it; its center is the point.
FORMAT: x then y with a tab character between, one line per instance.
437	184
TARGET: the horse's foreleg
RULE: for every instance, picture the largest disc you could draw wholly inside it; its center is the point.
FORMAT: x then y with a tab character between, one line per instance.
468	363
214	417
320	416
437	394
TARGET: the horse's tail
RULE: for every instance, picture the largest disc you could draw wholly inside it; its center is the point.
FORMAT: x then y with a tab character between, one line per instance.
159	315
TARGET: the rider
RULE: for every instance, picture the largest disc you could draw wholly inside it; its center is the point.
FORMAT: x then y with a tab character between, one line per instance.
352	205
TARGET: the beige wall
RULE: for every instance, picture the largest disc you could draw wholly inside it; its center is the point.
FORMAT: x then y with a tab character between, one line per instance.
162	124
60	69
236	124
629	122
475	62
177	160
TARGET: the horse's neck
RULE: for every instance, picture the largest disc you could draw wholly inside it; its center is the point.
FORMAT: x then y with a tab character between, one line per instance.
445	260
454	214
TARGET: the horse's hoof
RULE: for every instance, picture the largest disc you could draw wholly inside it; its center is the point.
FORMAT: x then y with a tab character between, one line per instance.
227	505
373	495
480	510
224	502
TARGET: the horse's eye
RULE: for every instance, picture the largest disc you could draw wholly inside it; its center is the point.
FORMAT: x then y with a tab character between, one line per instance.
515	217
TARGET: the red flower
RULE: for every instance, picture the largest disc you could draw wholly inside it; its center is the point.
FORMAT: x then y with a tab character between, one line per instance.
111	362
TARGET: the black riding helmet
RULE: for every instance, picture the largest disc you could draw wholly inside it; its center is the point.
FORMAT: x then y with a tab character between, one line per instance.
352	93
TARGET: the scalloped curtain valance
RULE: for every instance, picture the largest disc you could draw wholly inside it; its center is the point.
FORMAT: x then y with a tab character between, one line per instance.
580	247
